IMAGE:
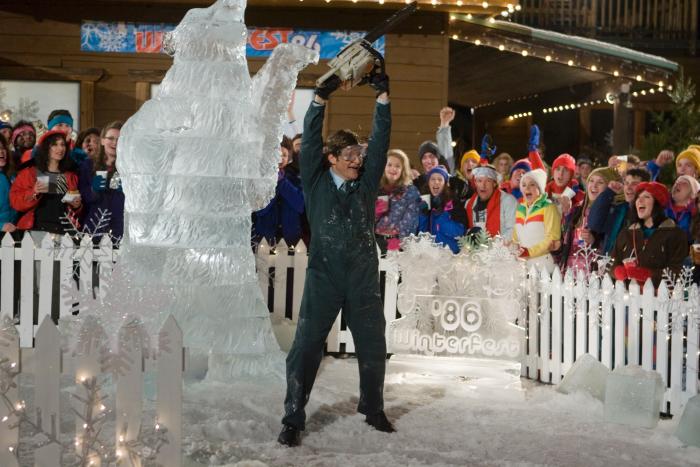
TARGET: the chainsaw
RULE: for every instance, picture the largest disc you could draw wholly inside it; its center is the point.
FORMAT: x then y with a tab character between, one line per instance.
359	58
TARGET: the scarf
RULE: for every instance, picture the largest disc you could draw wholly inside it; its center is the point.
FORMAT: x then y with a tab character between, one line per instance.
493	212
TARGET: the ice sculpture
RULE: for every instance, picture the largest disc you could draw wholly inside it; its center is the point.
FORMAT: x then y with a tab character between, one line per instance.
588	375
195	161
458	305
688	430
633	396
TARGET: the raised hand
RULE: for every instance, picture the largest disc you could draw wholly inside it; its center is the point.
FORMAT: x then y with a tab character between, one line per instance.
534	141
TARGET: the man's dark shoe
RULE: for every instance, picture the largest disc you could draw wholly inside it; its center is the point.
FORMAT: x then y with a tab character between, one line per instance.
289	436
379	422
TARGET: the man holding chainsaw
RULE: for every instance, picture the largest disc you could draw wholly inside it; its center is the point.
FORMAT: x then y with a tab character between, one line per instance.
340	189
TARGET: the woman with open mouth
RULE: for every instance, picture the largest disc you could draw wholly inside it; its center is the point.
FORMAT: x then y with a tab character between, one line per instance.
653	243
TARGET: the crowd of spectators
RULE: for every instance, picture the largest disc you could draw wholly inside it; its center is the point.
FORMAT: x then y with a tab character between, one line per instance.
58	182
569	214
61	182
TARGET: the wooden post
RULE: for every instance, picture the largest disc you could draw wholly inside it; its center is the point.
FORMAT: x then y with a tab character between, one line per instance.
639	127
87	104
622	126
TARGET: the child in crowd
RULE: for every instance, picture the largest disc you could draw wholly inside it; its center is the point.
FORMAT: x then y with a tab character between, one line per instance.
537	222
442	217
398	203
576	231
563	188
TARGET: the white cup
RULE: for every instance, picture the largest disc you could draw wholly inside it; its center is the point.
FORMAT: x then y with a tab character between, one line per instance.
44	180
426	198
384	198
101	173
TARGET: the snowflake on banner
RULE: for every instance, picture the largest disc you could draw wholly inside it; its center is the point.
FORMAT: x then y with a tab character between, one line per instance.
102	36
347	37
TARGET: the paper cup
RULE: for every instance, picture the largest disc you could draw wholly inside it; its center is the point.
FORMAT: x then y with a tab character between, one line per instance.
426	198
384	198
101	173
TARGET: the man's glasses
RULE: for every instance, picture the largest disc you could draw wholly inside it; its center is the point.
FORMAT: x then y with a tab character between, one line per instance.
357	152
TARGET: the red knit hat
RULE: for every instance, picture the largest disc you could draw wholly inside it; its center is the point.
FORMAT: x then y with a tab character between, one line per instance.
657	190
565	160
49	133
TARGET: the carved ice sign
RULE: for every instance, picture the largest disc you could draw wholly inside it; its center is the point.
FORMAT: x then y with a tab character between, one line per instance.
459	326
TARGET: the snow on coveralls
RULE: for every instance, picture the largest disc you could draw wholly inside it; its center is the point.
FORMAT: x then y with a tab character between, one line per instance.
343	269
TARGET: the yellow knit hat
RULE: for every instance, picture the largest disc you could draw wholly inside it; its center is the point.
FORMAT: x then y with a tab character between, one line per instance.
693	155
471	154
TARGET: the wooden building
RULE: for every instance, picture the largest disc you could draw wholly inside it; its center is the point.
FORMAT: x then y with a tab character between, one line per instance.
429	62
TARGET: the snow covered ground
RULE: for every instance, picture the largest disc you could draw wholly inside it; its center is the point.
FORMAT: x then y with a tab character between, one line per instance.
447	412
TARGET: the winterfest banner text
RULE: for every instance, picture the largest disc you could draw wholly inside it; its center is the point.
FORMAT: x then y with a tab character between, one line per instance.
97	36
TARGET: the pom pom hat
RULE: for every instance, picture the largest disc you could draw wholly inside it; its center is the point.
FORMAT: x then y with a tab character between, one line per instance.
539	176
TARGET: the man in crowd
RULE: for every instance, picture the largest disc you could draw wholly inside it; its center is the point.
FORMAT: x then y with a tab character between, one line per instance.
584	167
490	208
343	266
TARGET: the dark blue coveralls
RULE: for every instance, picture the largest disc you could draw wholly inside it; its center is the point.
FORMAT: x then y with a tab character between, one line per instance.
342	270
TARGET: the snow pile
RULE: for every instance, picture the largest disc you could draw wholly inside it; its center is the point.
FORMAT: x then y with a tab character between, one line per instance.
448	412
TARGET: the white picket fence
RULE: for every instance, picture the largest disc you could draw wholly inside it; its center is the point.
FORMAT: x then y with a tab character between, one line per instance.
565	317
38	261
31	345
92	366
618	325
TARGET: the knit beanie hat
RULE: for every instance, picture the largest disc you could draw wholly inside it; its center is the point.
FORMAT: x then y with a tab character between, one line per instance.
523	164
428	146
472	155
566	161
440	170
694	185
488	171
539	176
694	146
5	125
657	190
693	155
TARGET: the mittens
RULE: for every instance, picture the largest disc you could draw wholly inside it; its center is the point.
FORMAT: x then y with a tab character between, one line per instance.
380	207
99	183
620	273
534	142
639	273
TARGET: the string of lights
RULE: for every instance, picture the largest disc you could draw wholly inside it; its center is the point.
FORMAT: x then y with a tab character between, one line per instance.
478	32
610	99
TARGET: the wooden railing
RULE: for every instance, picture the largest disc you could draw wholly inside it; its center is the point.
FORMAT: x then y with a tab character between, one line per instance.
658	23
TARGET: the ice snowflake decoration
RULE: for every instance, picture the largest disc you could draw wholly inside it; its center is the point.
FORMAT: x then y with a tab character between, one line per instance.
683	307
587	257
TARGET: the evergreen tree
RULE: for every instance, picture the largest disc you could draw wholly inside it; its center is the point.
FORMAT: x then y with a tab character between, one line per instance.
680	127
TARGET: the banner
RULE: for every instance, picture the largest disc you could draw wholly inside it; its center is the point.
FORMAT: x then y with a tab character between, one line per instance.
97	36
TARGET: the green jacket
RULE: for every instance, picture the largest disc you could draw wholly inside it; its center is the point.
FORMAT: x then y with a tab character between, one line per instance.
342	223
